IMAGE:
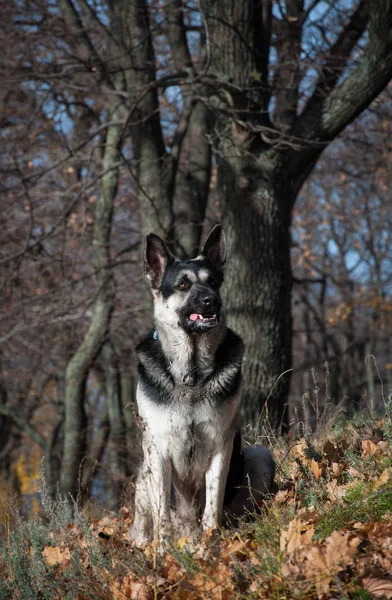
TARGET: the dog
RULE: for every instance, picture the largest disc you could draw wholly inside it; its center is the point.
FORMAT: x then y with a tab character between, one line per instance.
188	399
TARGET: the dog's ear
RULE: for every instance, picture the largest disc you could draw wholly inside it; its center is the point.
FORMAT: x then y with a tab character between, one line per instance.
215	247
156	258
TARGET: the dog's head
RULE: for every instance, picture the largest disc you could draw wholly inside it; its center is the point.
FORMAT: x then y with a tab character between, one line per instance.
186	292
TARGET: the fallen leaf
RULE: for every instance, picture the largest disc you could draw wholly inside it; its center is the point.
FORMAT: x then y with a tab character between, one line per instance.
104	527
308	515
337	470
172	570
379	531
237	548
379	588
297	535
326	561
335	491
299	450
127	588
316	469
213	581
384	447
355	473
281	496
369	447
341	547
56	556
290	570
334	453
383	478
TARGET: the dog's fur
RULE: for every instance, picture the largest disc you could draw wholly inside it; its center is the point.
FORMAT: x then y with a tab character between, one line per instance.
188	398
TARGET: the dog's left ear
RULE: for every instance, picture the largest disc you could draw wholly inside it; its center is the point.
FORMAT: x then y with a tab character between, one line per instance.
156	258
215	247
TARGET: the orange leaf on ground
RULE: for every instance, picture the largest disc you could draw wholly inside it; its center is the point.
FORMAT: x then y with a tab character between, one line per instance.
236	549
337	469
383	478
129	588
379	531
299	450
308	515
281	496
214	581
297	535
369	447
56	556
172	569
326	561
317	469
335	491
384	447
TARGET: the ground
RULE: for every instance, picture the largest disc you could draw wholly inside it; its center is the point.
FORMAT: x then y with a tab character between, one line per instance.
325	533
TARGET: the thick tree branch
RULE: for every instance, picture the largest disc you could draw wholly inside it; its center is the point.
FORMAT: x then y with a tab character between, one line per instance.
79	365
79	38
192	180
191	154
177	36
287	75
328	116
264	43
152	172
336	61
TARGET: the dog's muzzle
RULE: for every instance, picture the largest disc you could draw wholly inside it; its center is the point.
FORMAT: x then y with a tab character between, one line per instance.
205	312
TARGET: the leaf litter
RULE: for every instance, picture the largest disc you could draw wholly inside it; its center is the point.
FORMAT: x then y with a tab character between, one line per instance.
325	533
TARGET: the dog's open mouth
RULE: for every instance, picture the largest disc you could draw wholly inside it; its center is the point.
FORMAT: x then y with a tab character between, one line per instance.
207	318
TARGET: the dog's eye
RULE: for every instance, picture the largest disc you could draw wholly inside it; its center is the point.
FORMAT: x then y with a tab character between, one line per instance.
212	282
182	285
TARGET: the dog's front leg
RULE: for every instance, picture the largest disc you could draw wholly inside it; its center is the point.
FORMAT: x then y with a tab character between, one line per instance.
142	522
158	480
216	477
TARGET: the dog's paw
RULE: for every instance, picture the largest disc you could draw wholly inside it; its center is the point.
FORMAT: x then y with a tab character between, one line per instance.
138	538
209	521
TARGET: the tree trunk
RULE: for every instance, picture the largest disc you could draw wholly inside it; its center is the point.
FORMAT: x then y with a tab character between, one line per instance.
258	286
78	367
116	446
97	447
192	182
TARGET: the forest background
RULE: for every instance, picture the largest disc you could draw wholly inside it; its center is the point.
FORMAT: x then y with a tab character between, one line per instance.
121	118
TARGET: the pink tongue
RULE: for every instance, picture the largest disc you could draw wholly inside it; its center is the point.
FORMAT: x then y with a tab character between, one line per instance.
193	317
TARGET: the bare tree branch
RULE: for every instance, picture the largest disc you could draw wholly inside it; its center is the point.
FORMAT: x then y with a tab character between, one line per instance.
287	75
328	116
336	60
177	36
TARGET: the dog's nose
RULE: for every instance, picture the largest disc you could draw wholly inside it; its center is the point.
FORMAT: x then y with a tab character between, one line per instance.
207	300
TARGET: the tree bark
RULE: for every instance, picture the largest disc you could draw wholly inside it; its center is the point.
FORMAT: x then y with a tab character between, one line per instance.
96	450
192	182
75	423
153	164
116	444
258	286
258	198
262	166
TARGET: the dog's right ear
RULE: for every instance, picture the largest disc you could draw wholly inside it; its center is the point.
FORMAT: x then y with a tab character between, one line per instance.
156	258
215	247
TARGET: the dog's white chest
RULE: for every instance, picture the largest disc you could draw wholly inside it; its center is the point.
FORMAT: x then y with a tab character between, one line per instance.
190	433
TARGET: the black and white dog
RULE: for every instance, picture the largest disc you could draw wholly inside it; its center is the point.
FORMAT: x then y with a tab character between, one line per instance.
188	399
